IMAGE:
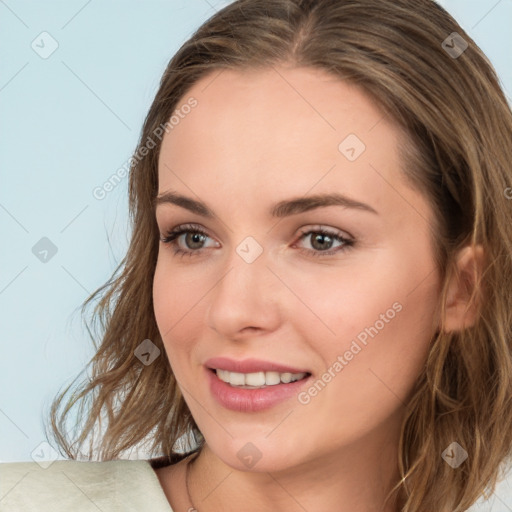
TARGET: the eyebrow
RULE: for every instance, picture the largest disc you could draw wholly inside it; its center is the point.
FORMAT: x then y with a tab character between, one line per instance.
280	209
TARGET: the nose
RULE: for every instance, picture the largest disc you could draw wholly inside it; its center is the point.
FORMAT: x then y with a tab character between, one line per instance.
247	297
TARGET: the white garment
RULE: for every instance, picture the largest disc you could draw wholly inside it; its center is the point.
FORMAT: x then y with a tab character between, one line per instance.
79	486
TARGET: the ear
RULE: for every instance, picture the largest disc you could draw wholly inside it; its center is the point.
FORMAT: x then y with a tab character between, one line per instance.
460	311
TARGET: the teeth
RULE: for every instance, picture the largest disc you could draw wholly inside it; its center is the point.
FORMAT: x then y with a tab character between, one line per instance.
253	379
272	378
257	379
286	377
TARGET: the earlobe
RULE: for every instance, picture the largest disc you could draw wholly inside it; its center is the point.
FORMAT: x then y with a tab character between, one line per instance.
463	299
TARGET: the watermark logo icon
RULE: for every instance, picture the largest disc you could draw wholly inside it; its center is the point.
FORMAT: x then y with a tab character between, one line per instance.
44	250
351	147
249	249
249	455
146	352
44	45
454	455
454	45
44	455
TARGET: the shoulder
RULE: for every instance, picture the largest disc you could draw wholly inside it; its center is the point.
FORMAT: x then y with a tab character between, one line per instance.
80	486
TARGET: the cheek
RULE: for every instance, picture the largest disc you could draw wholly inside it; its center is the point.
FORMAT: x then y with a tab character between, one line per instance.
163	301
178	303
382	334
175	294
375	314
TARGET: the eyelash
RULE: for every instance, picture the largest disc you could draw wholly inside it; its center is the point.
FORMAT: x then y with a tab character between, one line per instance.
171	236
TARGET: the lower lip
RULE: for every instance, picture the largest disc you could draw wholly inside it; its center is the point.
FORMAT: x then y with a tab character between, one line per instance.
252	400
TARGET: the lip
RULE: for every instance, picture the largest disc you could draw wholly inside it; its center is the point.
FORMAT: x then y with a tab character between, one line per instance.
252	400
250	366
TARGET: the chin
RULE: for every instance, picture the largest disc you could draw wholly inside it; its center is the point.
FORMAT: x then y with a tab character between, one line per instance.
256	453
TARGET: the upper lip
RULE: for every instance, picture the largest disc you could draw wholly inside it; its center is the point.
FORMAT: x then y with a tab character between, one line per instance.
250	366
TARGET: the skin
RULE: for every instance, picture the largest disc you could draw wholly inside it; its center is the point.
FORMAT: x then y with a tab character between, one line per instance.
254	139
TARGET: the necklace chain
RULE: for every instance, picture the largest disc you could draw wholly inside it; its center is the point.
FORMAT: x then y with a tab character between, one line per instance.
194	509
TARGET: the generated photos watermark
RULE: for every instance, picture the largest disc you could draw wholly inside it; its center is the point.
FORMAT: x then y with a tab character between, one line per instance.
304	397
101	191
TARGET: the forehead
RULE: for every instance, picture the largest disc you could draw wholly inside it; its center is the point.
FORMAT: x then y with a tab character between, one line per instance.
262	131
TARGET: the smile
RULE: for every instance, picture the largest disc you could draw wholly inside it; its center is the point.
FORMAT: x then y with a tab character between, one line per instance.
254	397
257	380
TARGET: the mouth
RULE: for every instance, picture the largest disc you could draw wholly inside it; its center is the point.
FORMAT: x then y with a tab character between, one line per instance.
257	380
253	385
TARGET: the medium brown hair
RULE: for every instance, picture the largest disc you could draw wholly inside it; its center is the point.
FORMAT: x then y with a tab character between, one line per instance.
457	152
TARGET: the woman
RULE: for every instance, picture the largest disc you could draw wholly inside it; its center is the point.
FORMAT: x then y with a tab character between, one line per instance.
315	309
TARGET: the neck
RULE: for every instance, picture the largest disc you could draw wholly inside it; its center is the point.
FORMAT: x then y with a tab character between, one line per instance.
349	480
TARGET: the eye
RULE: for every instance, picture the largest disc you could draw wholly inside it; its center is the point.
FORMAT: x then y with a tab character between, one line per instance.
194	237
322	242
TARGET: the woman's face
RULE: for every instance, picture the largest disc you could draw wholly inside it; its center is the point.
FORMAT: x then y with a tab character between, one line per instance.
262	152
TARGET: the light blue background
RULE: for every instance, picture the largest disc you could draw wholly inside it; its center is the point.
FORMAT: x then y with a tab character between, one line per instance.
68	123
